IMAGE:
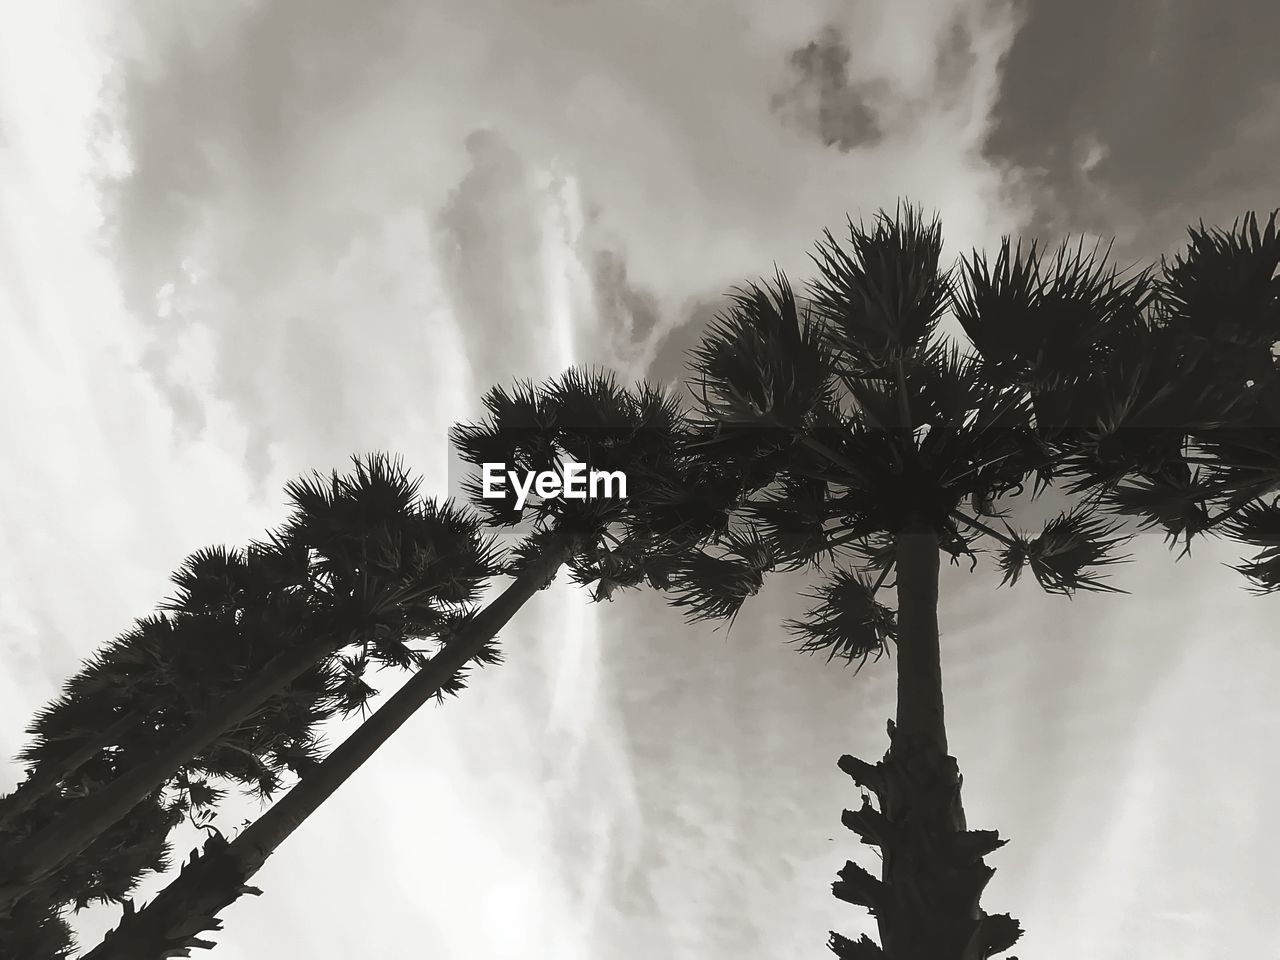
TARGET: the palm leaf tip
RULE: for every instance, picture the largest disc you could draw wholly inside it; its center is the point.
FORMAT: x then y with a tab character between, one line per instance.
847	621
1263	572
1256	523
864	948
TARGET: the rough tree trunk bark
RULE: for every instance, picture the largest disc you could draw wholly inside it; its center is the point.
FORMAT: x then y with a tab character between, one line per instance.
172	923
926	901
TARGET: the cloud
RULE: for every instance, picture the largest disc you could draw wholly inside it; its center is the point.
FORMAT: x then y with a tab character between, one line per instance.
1179	144
269	147
822	98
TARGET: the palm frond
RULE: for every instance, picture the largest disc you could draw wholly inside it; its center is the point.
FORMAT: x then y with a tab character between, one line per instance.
1135	414
1244	461
210	578
610	569
1224	293
518	431
881	299
450	551
848	621
1039	320
993	303
792	520
1173	499
763	362
689	502
714	586
1062	553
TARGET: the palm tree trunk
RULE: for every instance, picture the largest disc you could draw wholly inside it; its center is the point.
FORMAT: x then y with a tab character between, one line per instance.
926	902
173	922
46	777
41	855
920	711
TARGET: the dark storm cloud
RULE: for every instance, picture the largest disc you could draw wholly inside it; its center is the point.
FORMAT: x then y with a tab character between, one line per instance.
830	95
1133	118
823	98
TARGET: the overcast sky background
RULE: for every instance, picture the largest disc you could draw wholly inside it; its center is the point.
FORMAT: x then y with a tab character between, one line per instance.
242	240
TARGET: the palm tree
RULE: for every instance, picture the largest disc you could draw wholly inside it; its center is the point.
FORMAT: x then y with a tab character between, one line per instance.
608	544
151	673
105	872
253	755
825	400
45	778
217	876
220	678
871	444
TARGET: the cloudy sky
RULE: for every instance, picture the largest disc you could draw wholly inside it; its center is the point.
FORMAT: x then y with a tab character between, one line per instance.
242	240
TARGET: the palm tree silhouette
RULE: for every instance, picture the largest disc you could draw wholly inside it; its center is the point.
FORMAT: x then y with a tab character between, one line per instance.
611	544
105	872
218	875
229	683
870	444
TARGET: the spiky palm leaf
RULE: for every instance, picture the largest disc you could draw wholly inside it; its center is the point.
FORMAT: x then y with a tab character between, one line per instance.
1061	556
1173	499
714	585
792	520
610	568
847	621
763	363
881	299
1223	293
1042	322
1243	458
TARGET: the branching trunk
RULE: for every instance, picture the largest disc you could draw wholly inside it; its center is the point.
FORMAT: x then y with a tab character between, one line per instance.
926	900
46	777
188	907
